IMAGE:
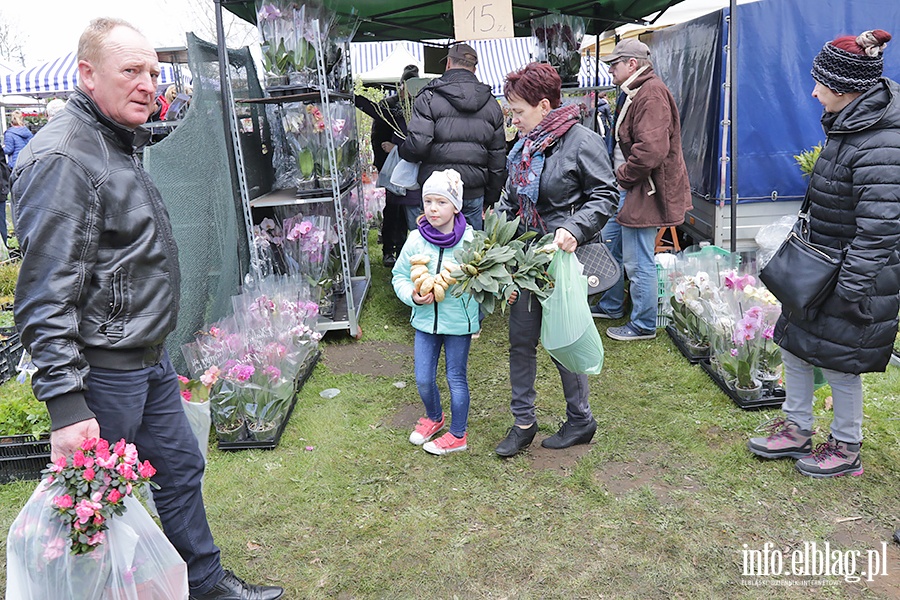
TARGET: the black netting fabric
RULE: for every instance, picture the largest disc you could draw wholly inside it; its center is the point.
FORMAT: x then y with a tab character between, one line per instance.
194	172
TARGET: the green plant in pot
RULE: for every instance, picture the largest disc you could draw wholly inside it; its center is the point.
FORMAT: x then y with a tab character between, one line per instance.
226	411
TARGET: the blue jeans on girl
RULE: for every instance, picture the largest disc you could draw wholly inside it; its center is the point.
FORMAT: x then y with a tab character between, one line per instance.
456	355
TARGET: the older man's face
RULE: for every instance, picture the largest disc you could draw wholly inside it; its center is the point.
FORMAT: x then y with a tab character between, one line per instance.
123	82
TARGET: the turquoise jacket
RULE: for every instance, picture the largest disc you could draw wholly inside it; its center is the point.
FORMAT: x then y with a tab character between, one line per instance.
453	316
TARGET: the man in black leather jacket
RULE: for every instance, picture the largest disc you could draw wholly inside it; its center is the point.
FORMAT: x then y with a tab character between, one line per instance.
98	290
458	124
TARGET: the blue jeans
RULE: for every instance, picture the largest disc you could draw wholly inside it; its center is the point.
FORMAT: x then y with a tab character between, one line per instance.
456	355
144	407
473	211
633	247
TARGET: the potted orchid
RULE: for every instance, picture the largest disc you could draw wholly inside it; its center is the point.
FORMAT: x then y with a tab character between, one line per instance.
691	311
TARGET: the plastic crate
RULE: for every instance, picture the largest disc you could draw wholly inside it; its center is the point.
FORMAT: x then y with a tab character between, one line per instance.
664	292
23	457
11	351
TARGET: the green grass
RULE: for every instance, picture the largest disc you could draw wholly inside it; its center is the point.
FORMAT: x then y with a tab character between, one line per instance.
660	506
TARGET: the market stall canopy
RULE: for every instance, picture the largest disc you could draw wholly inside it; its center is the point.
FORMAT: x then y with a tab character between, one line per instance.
56	78
383	62
16	100
428	19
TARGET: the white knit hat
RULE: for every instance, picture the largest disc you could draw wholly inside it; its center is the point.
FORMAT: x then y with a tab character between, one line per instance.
446	184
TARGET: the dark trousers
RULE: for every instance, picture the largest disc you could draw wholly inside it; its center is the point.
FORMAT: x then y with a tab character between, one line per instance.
524	333
144	407
393	228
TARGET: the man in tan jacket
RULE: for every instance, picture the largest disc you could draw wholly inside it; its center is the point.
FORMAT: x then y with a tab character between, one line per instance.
653	180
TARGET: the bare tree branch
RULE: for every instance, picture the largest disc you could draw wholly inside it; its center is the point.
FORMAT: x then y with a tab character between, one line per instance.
11	42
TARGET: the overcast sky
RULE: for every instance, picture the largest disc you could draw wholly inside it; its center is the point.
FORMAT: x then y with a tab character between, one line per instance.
50	28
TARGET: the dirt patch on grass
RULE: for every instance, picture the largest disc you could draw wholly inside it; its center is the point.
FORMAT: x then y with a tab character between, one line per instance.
562	461
621	478
370	358
866	536
406	416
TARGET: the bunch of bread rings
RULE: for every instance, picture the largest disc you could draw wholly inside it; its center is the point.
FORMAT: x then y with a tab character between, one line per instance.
425	283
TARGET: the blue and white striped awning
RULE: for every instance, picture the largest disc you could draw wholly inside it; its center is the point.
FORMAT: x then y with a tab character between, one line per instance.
56	78
496	59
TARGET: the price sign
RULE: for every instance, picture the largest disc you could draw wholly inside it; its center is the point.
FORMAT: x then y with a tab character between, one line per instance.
482	19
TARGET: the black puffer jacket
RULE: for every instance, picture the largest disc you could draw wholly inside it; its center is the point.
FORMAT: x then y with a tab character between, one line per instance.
577	190
99	281
855	195
457	124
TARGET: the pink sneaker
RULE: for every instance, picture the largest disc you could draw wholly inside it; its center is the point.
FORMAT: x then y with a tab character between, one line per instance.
784	439
446	444
425	430
832	459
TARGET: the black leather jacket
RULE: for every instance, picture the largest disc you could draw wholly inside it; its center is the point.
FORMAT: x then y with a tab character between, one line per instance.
577	190
99	280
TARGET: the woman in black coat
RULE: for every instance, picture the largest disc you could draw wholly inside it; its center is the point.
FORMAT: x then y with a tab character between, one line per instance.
855	207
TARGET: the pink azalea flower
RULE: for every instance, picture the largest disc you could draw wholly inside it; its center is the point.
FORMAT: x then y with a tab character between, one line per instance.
89	474
131	454
79	460
59	465
97	539
146	469
126	471
54	549
186	394
88	444
120	447
102	449
64	502
183	379
85	510
114	496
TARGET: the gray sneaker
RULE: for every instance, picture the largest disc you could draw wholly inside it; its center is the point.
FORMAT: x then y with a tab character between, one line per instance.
785	439
832	459
629	332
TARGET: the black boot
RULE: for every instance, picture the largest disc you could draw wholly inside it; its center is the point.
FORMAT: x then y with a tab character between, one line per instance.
897	536
516	439
232	587
570	435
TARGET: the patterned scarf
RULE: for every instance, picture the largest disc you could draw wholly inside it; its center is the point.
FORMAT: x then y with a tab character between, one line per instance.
526	160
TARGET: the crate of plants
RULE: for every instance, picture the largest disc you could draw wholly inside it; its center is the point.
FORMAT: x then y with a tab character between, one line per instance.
11	351
752	397
23	457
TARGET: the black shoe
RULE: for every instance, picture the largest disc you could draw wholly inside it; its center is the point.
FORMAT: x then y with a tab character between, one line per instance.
232	587
516	439
570	435
389	260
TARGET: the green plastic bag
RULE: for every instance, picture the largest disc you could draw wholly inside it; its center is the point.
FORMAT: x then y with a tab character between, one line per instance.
567	328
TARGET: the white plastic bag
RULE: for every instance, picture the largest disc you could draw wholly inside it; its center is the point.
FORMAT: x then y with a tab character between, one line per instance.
406	175
135	562
384	175
769	238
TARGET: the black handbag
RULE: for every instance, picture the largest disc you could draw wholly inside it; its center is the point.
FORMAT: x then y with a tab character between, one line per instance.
600	268
802	274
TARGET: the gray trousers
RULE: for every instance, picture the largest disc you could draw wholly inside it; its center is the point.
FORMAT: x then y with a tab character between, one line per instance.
846	393
524	334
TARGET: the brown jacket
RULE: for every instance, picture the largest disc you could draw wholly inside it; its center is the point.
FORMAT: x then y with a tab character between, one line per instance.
650	138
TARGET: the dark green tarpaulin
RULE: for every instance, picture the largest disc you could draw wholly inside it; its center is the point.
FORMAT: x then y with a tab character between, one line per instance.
429	19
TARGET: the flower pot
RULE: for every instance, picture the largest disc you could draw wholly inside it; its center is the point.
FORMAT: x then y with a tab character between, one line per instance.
263	431
768	380
231	432
748	394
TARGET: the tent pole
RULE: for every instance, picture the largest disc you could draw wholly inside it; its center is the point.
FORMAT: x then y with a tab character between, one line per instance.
733	99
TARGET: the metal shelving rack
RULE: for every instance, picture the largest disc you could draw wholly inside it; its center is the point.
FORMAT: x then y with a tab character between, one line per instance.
353	247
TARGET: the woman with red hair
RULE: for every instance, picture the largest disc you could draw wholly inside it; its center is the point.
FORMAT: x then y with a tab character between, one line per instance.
854	194
560	182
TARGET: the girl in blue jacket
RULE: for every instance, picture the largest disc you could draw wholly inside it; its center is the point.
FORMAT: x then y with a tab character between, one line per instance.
440	319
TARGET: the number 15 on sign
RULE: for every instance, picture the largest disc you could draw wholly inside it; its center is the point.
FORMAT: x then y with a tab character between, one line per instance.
482	19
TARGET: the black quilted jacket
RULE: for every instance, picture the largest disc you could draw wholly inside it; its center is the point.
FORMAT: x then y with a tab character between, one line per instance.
855	195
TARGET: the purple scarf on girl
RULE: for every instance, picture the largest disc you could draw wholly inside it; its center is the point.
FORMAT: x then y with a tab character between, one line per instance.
443	240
